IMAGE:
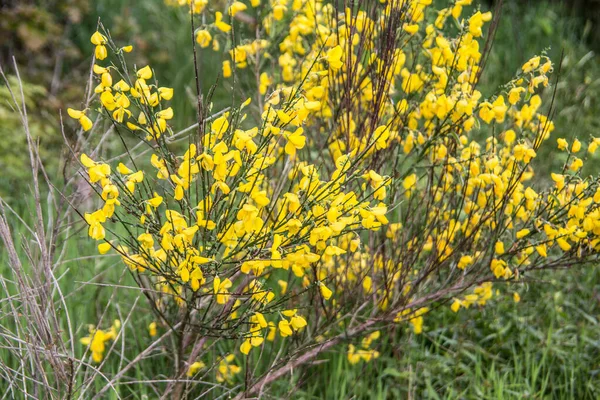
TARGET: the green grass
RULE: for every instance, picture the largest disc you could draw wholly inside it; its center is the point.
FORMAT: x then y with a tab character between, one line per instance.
546	346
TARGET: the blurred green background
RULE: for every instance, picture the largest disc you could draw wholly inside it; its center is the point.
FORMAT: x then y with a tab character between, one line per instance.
546	346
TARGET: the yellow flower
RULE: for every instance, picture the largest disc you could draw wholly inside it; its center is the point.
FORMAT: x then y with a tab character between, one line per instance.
283	285
510	136
220	289
476	22
255	338
559	180
226	369
226	69
278	11
576	164
416	320
236	7
99	40
562	143
203	38
285	328
95	220
155	201
541	249
194	368
455	305
353	357
334	57
165	93
411	29
498	267
85	122
593	145
265	82
165	114
514	95
146	240
152	329
144	73
98	338
222	26
465	261
246	347
295	141
530	65
297	322
103	248
409	182
499	248
325	291
563	244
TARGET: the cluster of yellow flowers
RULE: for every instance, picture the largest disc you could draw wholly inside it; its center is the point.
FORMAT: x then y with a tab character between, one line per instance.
217	207
481	294
97	339
226	368
365	353
354	179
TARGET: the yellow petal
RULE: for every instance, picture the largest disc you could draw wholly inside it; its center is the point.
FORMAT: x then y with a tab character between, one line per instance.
75	114
122	168
325	292
98	38
103	248
246	347
145	73
86	123
86	161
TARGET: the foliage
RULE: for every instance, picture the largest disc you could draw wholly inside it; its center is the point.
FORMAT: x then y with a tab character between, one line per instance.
15	167
552	29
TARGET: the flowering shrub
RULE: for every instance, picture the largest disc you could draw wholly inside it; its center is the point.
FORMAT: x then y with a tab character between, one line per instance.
362	182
